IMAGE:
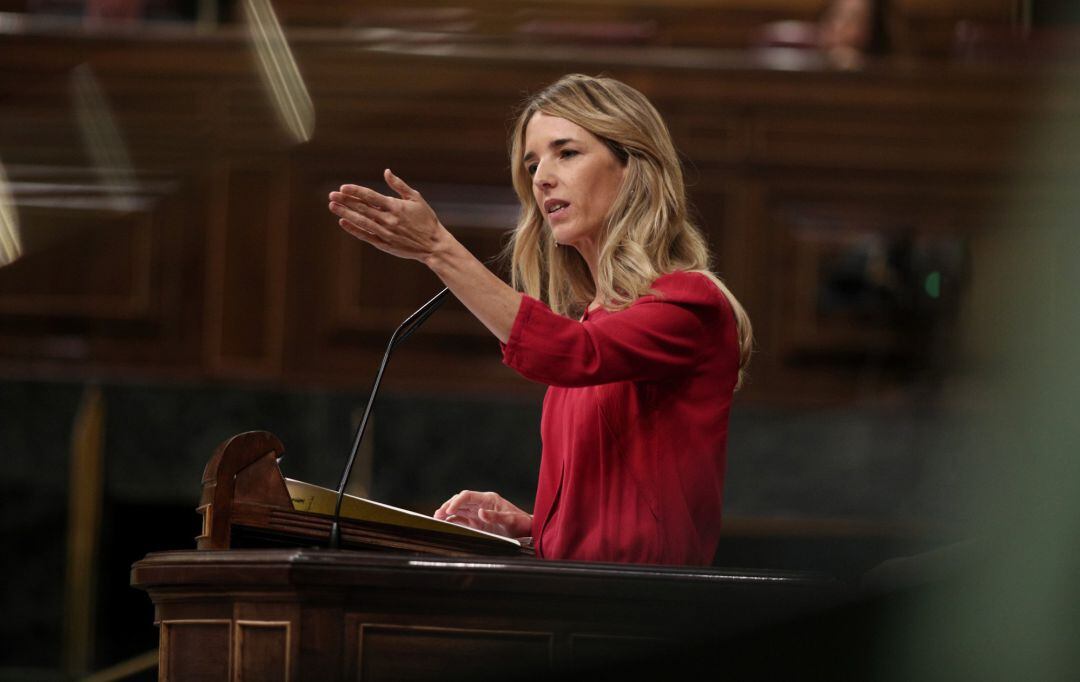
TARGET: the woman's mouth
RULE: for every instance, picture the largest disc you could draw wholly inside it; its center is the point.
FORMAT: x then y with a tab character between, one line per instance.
555	207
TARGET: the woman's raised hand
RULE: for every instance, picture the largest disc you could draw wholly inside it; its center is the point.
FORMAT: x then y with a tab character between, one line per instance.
486	511
405	227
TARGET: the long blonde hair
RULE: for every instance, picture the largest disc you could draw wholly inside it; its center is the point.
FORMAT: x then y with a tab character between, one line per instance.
648	232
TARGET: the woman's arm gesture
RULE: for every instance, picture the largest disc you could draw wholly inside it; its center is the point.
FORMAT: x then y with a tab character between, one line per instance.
405	227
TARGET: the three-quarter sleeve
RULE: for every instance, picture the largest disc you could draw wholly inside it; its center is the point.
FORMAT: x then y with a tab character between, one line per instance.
658	337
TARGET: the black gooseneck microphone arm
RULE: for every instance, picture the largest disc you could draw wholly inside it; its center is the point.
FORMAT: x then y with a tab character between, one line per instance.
411	324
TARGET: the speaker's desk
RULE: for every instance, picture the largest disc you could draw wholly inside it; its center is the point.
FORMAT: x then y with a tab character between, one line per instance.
315	614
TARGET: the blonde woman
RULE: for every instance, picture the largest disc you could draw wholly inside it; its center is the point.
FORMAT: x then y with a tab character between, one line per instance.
614	308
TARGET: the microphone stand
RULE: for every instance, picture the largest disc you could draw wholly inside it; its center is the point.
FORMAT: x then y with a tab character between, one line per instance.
404	331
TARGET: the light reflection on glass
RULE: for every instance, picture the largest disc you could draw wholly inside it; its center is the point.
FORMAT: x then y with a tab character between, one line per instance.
102	138
279	70
10	242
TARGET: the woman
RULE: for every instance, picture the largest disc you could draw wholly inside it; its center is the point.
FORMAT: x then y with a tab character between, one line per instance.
641	346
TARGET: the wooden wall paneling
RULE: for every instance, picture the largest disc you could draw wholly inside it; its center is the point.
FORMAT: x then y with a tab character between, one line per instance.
917	141
165	123
100	285
879	241
438	114
165	126
37	123
312	244
182	273
247	277
438	118
1000	10
247	118
741	252
816	239
917	26
930	25
88	264
718	23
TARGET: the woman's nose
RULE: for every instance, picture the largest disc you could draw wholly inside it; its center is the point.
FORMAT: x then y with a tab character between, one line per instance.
542	178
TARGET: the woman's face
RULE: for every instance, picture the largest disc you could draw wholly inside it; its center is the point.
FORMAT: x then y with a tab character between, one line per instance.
575	179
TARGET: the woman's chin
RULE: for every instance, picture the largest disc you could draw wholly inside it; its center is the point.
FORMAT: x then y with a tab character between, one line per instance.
563	237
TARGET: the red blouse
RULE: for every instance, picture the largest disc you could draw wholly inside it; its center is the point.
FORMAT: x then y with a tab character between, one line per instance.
634	424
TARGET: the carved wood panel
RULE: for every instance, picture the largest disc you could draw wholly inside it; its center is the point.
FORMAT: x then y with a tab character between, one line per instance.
873	285
104	279
263	650
415	653
247	275
179	638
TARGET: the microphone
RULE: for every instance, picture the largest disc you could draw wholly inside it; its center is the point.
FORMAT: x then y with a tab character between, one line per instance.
404	331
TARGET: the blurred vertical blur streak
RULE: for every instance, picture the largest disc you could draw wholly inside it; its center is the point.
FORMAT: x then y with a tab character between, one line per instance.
10	242
102	138
1015	615
279	70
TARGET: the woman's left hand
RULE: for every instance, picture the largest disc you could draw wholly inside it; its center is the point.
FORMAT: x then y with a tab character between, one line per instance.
405	227
486	511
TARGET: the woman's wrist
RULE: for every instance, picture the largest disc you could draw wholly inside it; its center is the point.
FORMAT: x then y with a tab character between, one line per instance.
442	252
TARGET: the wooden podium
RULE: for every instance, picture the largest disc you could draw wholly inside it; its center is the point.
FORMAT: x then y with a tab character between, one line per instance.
263	599
315	614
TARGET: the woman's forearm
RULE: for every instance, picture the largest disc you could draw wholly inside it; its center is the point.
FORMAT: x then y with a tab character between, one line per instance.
491	300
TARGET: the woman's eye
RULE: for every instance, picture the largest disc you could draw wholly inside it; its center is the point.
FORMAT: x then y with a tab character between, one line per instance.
531	168
567	153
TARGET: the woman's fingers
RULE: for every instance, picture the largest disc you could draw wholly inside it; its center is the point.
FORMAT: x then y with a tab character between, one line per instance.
359	226
511	523
360	233
465	502
448	508
377	200
368	196
462	502
442	512
347	207
485	511
406	227
492	516
399	185
467	521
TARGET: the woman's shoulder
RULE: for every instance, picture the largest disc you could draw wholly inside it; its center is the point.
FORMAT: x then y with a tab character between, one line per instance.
689	287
